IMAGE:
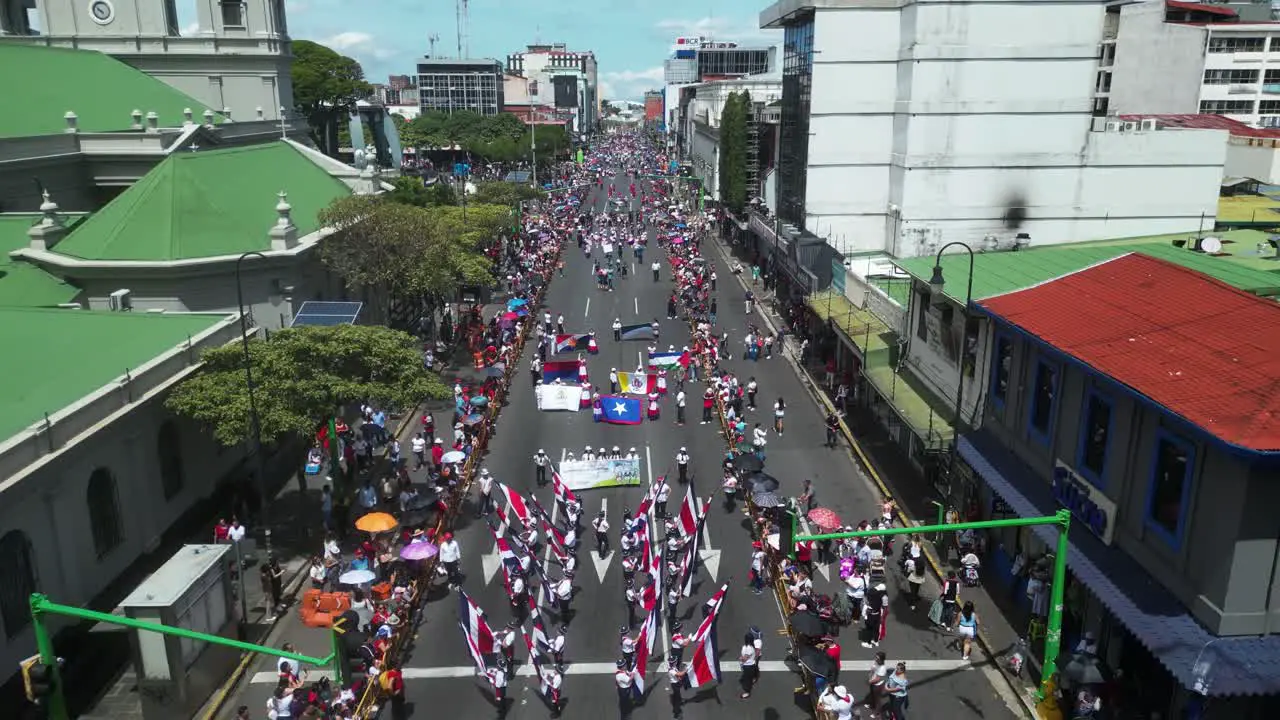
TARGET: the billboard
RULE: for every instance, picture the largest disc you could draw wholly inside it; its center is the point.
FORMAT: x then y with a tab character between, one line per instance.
566	91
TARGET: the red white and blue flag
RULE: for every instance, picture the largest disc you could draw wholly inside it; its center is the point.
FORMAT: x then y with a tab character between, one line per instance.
644	648
571	343
535	659
704	665
690	565
475	630
555	538
516	502
687	520
669	359
562	491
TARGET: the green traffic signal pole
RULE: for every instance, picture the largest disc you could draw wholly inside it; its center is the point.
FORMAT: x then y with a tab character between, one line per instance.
41	606
1053	624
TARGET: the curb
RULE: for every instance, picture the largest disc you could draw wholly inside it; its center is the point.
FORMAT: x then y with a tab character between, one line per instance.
219	698
861	459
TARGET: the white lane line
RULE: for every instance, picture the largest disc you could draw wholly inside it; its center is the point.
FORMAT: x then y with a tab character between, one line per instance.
639	359
599	668
820	566
587	311
637	300
653	534
601	564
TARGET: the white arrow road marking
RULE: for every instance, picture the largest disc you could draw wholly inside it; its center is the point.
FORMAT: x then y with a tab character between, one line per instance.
587	311
491	562
710	557
601	564
821	567
662	601
636	299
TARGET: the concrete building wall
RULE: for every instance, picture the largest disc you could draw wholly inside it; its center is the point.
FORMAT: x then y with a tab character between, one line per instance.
1254	99
1219	565
1257	161
45	492
954	129
936	351
1157	66
704	153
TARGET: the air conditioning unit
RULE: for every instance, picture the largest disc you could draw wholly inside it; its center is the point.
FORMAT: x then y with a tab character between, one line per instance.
1130	126
1148	124
1113	126
120	301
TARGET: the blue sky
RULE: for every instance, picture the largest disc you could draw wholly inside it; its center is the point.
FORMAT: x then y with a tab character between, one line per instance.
631	38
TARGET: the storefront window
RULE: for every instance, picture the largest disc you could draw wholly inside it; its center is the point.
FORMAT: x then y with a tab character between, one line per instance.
1170	486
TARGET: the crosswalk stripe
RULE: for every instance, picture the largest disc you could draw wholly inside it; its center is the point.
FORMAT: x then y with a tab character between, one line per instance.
526	670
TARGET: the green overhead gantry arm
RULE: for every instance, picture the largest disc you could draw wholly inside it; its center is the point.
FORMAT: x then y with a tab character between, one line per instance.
1053	624
41	606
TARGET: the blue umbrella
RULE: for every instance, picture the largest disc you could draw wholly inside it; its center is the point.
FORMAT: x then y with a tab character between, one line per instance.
517	302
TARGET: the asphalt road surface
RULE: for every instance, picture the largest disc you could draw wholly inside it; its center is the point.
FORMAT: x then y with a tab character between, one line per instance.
439	674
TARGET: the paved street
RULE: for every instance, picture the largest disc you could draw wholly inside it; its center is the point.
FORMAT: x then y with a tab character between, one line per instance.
439	673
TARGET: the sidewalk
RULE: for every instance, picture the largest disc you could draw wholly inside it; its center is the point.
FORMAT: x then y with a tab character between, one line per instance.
239	689
895	476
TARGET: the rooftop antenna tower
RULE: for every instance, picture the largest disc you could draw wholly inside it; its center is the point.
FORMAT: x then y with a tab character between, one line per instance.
433	38
463	6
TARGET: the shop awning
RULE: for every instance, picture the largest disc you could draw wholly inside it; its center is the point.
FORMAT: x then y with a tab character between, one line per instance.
863	330
1216	666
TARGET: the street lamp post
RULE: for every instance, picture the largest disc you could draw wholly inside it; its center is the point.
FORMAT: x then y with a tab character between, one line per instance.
255	421
937	283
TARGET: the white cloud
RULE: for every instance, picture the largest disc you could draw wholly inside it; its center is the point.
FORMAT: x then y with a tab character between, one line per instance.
745	30
350	40
192	29
629	84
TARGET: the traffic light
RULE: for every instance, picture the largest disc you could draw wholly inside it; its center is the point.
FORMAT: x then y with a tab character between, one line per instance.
37	680
787	533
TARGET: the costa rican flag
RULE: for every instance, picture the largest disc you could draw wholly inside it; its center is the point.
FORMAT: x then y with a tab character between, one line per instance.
704	666
688	518
475	630
644	648
516	502
562	491
555	538
535	659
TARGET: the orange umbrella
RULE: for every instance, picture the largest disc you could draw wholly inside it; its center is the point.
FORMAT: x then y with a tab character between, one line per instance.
376	522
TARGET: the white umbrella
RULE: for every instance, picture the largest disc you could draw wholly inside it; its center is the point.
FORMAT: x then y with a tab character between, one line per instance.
356	577
453	456
773	540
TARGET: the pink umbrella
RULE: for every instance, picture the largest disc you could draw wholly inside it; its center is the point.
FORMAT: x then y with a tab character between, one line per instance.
418	550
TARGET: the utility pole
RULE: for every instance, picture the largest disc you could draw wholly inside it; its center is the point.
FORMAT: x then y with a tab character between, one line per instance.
433	38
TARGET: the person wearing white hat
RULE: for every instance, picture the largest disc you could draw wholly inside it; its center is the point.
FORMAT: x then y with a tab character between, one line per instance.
837	701
540	462
588	454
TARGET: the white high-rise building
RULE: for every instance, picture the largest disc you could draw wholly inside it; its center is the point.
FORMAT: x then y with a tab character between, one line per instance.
907	124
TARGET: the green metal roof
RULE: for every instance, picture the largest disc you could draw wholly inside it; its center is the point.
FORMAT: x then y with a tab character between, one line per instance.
53	358
1239	247
206	203
997	273
42	84
21	283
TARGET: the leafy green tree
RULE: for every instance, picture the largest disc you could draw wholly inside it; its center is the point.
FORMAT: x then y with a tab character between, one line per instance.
732	171
301	376
503	193
402	251
441	193
409	191
326	86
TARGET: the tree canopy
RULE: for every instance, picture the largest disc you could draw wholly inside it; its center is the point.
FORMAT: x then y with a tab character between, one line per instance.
326	86
301	376
503	193
407	250
495	138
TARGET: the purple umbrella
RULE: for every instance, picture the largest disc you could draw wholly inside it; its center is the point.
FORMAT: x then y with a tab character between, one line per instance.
418	550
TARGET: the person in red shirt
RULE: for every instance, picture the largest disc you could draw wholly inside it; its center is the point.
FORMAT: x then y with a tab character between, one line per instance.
221	531
391	682
437	454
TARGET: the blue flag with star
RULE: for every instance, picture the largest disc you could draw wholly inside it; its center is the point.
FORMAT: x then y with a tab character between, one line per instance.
621	410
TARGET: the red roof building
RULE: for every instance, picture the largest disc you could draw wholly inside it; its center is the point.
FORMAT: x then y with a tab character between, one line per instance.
1198	347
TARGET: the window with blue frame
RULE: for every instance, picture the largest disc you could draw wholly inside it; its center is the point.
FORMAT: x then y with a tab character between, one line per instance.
1170	488
1044	395
1001	366
1094	436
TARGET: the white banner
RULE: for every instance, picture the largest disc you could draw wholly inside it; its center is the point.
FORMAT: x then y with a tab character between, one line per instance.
588	474
559	397
607	247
